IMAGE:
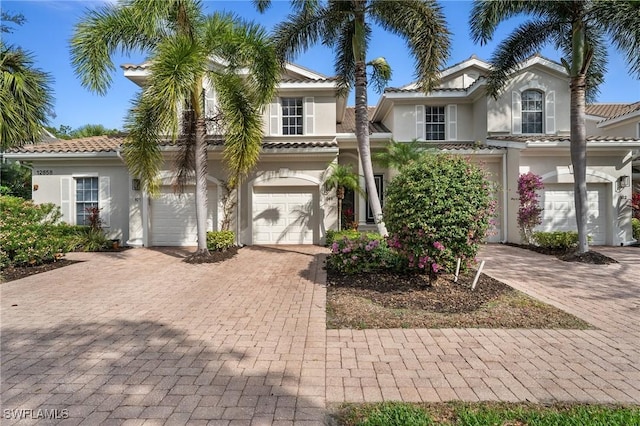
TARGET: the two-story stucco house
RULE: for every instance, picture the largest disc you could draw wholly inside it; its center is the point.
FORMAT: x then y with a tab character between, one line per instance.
308	126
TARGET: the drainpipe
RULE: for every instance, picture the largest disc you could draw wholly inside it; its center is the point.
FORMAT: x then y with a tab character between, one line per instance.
505	199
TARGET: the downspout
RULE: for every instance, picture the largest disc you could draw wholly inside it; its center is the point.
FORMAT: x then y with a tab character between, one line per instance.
505	199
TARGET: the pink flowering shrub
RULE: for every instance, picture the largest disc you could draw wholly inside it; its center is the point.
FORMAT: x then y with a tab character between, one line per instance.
530	212
361	253
635	204
438	210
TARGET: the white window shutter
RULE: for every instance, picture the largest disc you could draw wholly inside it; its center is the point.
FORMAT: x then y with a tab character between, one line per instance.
550	113
309	119
274	117
452	122
516	113
104	200
209	103
65	200
420	122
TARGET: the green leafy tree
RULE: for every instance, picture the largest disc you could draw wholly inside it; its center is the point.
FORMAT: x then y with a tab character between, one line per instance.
581	31
342	177
15	180
92	130
25	92
346	27
179	40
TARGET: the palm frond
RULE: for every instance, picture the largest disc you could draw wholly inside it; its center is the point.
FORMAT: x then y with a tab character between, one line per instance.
25	96
299	32
421	23
342	176
380	73
399	154
523	42
621	21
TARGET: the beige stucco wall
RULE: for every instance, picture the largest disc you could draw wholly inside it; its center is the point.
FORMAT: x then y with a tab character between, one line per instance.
627	129
324	112
49	187
499	111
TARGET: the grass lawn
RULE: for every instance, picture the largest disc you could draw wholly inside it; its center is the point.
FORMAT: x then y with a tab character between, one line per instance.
485	413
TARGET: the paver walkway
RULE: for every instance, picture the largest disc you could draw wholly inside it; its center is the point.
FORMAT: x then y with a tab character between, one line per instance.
139	337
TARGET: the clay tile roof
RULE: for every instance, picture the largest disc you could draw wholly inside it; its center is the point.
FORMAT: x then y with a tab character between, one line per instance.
611	110
458	146
307	80
300	144
555	139
348	124
90	144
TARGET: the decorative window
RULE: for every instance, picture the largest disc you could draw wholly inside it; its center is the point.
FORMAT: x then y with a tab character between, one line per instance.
434	123
532	102
86	198
292	116
379	183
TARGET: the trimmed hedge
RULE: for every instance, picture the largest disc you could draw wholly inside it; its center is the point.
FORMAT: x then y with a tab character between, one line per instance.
558	240
220	240
635	225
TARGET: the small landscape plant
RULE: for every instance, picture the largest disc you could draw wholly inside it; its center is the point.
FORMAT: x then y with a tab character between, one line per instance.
333	235
220	240
364	252
529	212
635	225
438	209
635	205
557	240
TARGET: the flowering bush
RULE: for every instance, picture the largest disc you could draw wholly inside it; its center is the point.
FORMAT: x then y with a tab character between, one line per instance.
530	212
438	210
635	226
362	253
635	204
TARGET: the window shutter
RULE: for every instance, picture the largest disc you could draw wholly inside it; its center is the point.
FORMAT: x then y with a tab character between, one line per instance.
550	113
104	200
452	122
516	113
309	119
420	122
274	117
65	200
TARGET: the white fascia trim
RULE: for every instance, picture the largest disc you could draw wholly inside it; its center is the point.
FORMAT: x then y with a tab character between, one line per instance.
298	69
538	60
444	94
497	152
590	144
607	123
309	85
506	144
465	64
44	155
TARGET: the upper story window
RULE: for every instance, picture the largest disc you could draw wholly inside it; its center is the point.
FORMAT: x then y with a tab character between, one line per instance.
532	102
434	123
86	198
292	116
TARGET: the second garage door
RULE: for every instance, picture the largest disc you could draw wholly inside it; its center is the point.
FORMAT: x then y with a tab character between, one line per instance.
284	215
559	210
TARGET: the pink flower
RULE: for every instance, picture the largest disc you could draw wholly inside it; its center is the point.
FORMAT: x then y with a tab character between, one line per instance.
438	245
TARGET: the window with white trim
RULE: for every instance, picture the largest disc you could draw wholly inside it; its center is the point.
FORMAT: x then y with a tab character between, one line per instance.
292	116
532	101
434	122
87	191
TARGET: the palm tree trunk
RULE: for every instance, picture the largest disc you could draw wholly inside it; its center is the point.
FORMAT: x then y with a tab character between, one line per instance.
364	146
202	198
579	158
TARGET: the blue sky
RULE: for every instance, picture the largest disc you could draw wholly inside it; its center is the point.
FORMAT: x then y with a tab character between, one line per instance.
50	25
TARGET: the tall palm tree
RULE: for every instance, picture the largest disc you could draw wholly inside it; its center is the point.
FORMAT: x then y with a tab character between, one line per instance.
25	97
346	26
580	30
341	178
180	41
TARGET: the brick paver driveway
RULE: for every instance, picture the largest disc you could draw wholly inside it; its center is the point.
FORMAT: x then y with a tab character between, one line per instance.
140	337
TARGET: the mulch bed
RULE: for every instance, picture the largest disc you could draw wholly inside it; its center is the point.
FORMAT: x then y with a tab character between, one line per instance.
591	257
215	256
12	273
386	300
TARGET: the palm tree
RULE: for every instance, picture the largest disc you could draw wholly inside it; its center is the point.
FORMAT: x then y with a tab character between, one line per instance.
579	29
399	154
25	96
180	41
342	177
346	26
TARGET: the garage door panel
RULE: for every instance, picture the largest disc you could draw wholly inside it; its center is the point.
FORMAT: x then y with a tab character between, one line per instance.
559	212
283	215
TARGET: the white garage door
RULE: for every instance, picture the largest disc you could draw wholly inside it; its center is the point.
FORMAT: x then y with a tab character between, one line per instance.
173	217
283	215
559	210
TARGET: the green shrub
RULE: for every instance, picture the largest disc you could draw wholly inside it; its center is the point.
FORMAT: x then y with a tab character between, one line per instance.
635	225
557	240
348	233
220	240
30	234
437	210
365	252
